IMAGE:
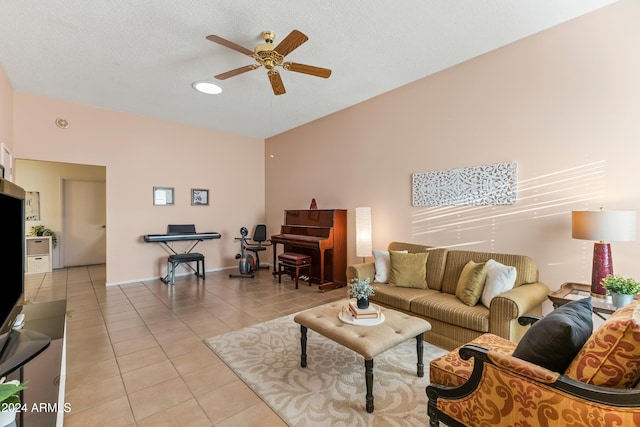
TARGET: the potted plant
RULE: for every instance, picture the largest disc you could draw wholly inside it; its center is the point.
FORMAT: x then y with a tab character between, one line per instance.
41	230
622	289
361	290
9	400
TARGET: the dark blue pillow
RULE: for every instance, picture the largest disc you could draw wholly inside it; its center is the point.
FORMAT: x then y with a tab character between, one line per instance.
555	340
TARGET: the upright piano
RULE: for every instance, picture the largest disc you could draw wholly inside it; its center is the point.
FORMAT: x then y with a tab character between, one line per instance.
321	234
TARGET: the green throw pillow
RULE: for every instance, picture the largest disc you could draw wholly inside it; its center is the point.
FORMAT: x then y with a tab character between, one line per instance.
471	282
408	270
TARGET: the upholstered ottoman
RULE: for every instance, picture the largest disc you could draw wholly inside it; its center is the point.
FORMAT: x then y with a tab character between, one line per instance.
368	341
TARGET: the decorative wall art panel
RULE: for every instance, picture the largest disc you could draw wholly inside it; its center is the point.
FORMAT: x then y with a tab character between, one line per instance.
495	184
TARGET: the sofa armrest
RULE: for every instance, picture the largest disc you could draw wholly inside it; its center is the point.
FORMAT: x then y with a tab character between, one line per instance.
361	271
508	306
508	389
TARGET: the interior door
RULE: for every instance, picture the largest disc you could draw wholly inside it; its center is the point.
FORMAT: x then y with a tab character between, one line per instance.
84	233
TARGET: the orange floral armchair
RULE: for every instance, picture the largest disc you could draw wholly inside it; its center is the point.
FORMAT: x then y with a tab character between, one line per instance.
483	384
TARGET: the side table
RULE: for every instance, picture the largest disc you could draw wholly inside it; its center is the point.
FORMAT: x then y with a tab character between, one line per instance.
570	291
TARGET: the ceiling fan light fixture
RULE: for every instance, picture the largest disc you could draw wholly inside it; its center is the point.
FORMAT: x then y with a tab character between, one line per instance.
206	87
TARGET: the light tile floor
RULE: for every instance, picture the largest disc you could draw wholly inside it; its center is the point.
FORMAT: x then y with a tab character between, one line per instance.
135	355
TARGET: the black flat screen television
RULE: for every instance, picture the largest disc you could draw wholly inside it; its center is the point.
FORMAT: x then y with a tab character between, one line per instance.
12	254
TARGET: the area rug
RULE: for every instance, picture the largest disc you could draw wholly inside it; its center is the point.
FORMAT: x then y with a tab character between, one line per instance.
331	390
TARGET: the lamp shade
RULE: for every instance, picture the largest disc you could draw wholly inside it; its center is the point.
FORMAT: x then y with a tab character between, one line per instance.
363	232
604	226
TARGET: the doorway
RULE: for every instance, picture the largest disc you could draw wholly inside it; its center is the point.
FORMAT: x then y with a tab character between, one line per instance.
84	201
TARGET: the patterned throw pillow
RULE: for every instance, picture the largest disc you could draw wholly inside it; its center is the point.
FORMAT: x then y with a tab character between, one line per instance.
553	341
611	356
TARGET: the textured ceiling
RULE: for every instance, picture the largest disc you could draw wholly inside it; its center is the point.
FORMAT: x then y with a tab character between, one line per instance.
141	57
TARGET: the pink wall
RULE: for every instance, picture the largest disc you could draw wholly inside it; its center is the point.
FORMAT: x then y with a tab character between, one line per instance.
564	104
140	153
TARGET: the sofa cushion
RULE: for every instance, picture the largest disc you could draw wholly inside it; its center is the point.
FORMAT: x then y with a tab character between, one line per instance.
449	309
611	356
500	278
526	268
383	265
398	297
409	270
554	341
471	282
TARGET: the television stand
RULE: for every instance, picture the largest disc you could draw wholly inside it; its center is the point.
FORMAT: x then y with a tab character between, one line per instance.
44	372
21	347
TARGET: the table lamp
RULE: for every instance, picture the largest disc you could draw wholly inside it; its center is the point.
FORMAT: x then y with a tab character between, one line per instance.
363	232
603	227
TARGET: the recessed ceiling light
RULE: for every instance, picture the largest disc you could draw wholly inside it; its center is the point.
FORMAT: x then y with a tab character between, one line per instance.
207	87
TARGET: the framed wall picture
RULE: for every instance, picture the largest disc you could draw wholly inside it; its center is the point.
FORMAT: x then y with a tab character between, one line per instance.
199	197
32	206
162	196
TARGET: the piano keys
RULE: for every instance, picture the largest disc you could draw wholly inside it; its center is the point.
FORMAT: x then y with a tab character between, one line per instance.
176	237
321	234
181	232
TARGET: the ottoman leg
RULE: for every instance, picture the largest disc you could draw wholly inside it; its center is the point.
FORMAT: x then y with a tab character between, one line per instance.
368	376
303	344
420	351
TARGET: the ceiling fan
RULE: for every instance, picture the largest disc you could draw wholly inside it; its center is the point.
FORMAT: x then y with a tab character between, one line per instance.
271	56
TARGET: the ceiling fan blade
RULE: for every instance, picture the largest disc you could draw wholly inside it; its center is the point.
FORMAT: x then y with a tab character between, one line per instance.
291	42
237	71
307	69
230	45
276	82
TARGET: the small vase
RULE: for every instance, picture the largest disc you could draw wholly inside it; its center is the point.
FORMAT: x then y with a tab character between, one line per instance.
620	300
363	302
7	417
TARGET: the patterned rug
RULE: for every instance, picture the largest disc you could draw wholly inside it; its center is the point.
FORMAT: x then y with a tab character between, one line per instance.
330	391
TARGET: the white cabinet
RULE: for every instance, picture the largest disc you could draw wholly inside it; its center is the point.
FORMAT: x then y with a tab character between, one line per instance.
38	254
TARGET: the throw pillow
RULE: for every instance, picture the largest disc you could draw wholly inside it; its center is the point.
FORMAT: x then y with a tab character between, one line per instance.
500	278
471	282
611	355
409	270
383	265
553	341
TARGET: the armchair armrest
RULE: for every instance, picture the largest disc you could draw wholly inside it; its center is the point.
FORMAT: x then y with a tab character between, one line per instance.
503	390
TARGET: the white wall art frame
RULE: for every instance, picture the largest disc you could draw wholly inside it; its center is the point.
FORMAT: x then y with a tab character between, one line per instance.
495	184
6	160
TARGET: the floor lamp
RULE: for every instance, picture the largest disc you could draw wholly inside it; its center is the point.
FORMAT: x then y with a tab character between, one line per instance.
603	227
363	232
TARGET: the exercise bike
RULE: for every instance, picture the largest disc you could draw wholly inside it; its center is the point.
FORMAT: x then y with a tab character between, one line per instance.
247	264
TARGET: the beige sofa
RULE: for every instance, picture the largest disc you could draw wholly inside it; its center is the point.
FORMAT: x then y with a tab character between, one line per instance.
454	323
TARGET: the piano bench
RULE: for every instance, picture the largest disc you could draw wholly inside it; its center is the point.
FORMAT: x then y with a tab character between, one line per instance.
291	262
176	259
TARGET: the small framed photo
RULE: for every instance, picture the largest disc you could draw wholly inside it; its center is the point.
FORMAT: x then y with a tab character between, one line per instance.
162	196
199	197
